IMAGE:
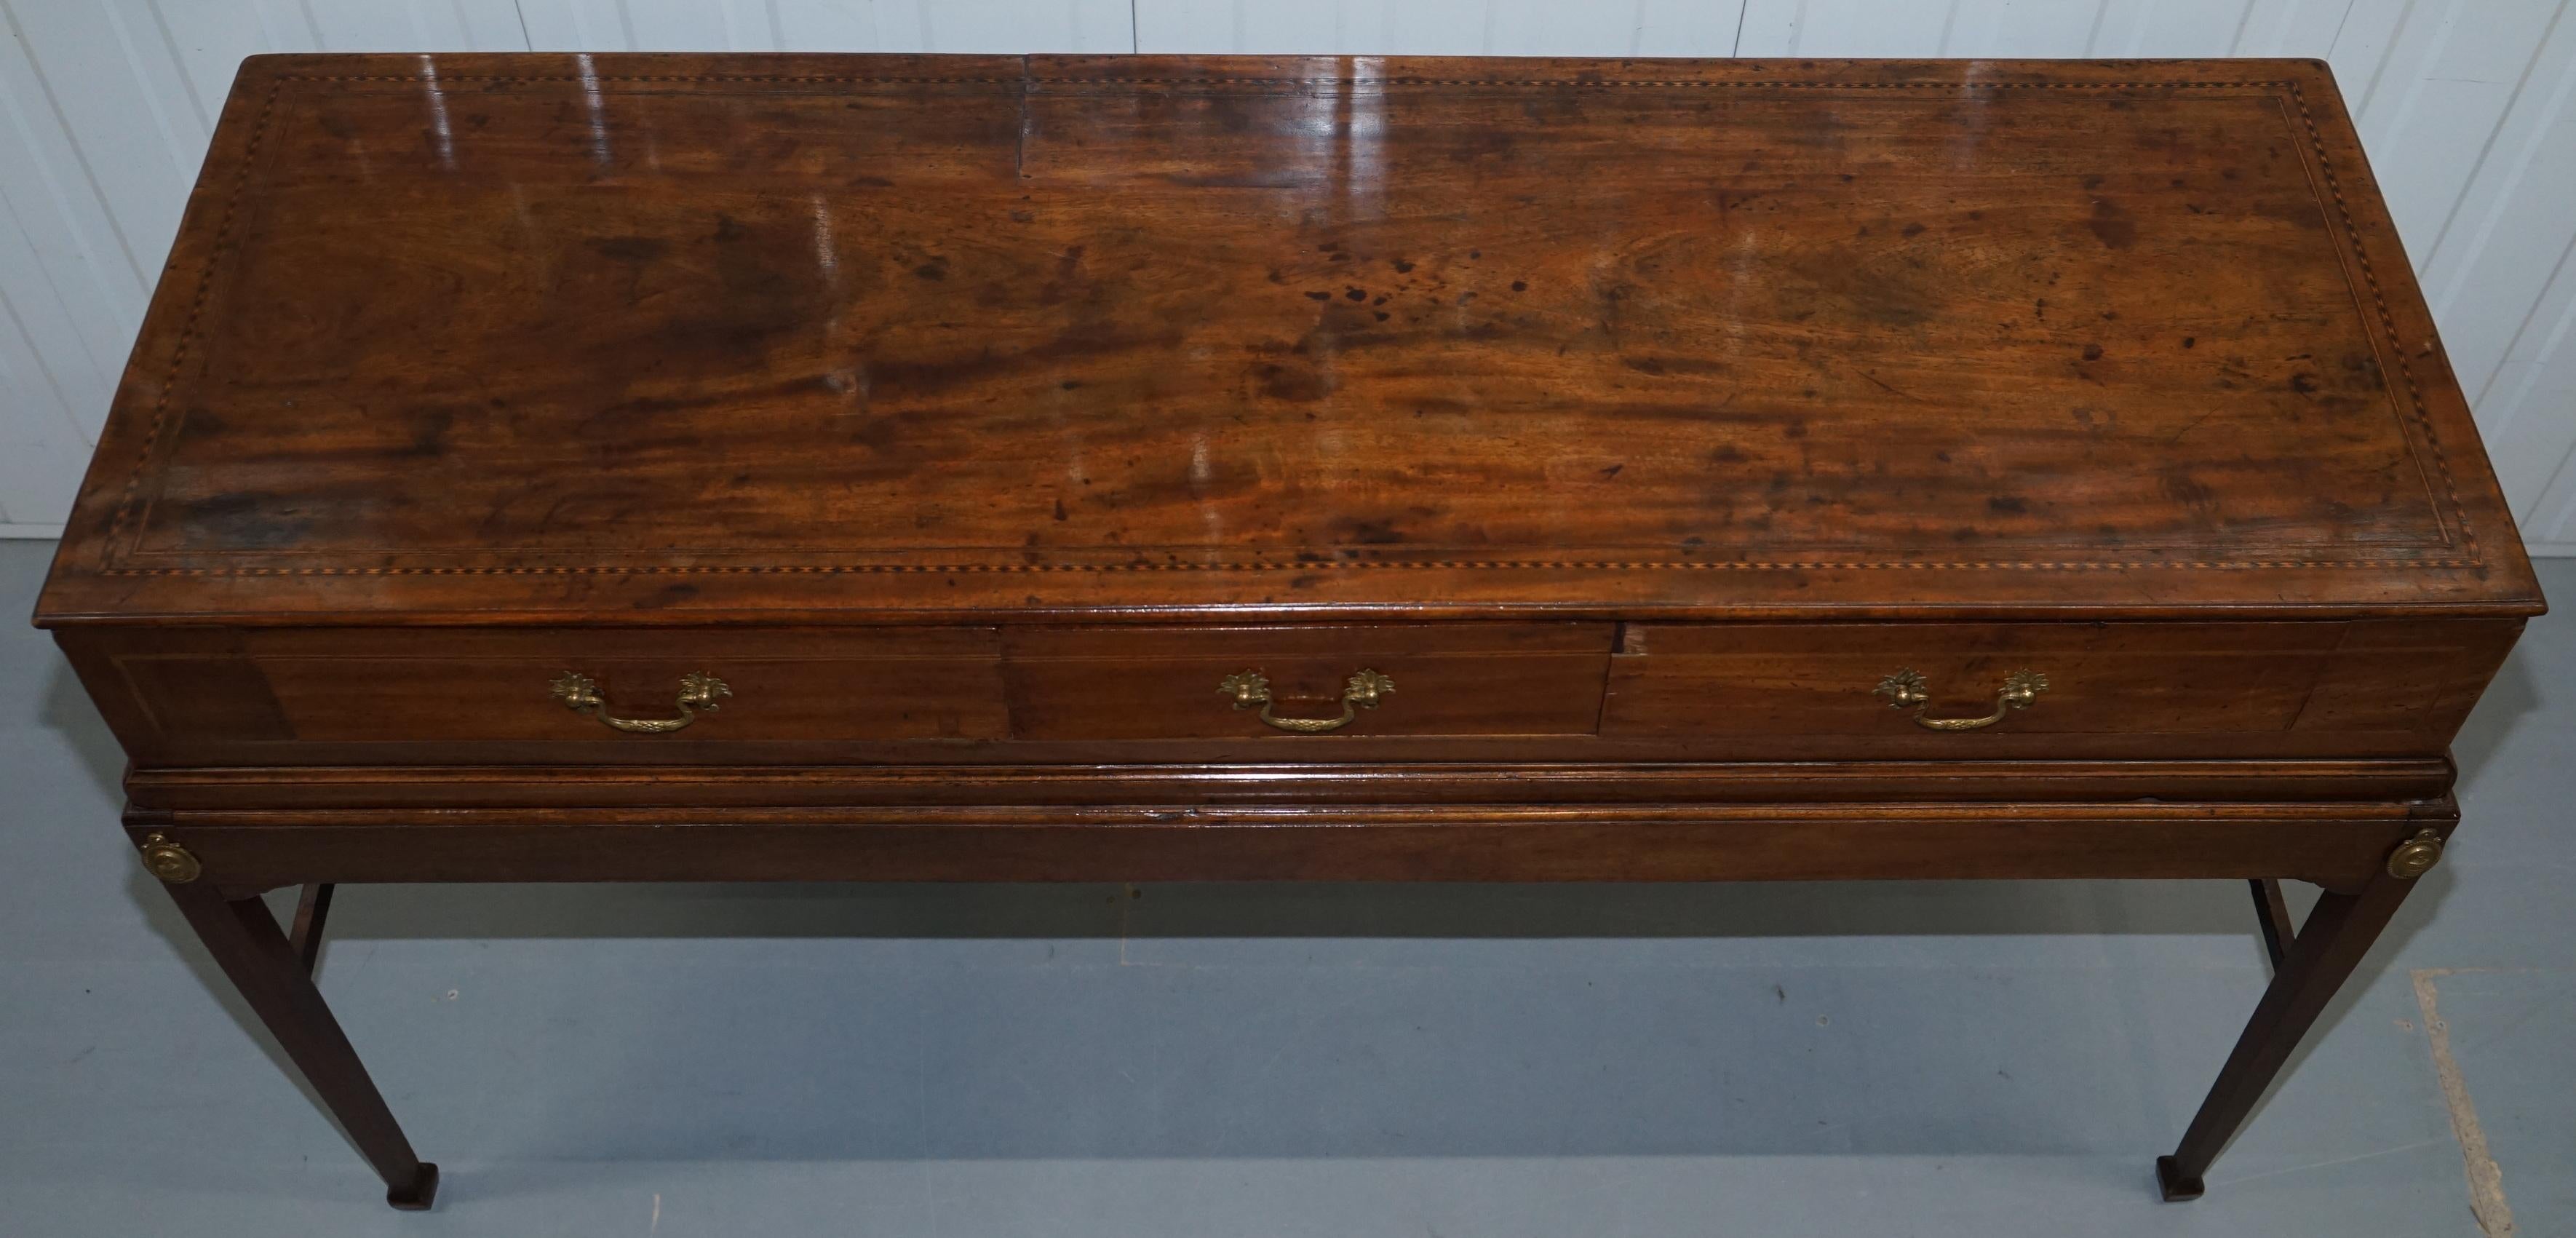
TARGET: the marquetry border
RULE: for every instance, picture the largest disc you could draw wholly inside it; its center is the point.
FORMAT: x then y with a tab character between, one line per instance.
2330	190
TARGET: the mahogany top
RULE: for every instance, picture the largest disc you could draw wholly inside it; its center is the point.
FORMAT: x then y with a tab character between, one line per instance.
548	338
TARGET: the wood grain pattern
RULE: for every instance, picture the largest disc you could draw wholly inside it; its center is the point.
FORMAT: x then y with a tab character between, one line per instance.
1057	337
1450	680
972	417
1466	692
2204	690
2469	121
1536	780
2338	846
360	687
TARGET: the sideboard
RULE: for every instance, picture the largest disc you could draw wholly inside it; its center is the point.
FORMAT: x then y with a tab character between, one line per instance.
742	468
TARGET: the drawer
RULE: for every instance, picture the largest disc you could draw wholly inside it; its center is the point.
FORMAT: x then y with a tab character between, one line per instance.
1546	692
2116	689
1305	685
478	696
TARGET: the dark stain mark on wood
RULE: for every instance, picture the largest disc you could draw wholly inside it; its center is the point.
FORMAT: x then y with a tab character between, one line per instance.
1359	532
630	248
2112	224
251	521
1294	383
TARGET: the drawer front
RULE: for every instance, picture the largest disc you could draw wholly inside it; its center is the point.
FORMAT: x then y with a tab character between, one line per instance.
1975	690
1491	692
474	696
1297	685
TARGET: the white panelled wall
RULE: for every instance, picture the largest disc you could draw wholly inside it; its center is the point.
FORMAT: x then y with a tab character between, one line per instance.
2468	108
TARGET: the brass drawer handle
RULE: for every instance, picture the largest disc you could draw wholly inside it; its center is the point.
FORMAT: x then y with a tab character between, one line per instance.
697	692
1363	691
1906	687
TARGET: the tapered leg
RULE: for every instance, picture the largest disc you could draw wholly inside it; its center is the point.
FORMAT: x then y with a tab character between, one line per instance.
247	944
2325	950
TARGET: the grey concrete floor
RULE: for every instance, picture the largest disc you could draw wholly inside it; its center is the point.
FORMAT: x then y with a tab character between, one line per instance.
1986	1059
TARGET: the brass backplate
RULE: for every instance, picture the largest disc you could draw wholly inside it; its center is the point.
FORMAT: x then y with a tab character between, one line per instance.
169	861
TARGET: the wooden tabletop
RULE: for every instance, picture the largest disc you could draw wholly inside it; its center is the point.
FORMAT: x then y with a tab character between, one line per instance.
681	339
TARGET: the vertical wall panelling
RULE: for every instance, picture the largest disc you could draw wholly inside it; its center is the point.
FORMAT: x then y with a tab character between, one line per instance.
1687	27
1790	28
1324	28
2290	28
834	24
205	39
575	26
2495	269
1032	25
840	25
418	26
2159	28
2534	391
82	79
1551	27
2457	66
72	287
2468	108
2543	390
2019	27
1179	26
1442	27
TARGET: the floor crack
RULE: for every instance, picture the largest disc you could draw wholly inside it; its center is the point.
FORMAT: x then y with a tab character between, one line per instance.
2486	1178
